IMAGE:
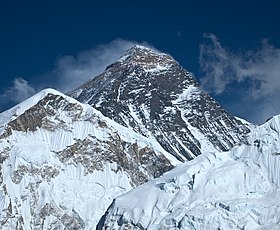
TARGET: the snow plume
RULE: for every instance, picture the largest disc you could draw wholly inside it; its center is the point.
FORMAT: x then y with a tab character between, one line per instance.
72	71
69	72
255	72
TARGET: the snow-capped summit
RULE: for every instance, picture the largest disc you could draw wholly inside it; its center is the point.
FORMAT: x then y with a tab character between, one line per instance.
238	189
145	56
152	94
137	50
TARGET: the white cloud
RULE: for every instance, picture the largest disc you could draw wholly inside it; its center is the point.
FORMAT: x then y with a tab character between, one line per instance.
214	61
222	67
256	72
19	91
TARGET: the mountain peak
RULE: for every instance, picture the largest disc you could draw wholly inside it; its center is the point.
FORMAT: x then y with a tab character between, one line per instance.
141	48
142	55
33	100
152	94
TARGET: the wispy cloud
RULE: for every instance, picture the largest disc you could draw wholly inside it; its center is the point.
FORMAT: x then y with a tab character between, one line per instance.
254	72
72	71
19	91
69	71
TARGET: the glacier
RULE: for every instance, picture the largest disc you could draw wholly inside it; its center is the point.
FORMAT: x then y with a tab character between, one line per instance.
236	189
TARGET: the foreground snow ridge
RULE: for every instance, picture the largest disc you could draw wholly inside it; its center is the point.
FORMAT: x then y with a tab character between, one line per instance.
238	189
62	163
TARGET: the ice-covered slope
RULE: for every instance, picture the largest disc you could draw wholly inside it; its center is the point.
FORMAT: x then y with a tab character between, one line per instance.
238	189
63	162
152	94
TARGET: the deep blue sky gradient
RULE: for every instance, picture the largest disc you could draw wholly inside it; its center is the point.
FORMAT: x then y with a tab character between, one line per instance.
34	34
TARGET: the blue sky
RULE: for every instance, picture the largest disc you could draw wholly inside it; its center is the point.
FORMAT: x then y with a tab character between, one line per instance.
232	47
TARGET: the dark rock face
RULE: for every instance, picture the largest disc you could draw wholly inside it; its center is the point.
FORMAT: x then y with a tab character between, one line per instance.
151	93
38	115
141	164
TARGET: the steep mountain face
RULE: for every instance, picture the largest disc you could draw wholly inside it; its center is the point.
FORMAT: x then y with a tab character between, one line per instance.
152	94
63	162
238	189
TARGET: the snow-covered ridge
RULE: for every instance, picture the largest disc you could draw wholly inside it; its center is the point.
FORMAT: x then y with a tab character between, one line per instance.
87	111
23	106
63	162
20	108
238	189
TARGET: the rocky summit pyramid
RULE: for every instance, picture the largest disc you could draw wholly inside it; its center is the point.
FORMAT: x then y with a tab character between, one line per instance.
150	93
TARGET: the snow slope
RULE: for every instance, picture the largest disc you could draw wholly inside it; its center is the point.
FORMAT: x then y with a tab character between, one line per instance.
238	189
62	163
